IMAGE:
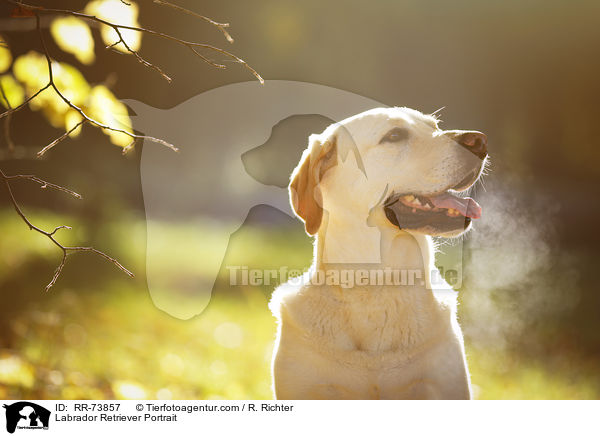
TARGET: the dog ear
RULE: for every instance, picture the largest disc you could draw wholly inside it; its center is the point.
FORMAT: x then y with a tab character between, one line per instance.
305	194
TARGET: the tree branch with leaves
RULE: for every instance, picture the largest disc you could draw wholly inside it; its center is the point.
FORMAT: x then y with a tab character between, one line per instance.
60	91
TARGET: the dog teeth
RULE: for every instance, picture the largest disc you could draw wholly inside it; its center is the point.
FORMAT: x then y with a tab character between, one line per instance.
452	212
411	200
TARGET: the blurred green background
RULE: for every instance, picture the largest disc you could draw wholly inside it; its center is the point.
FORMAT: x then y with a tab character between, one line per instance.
525	73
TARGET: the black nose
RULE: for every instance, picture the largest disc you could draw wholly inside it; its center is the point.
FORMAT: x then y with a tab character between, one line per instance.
475	142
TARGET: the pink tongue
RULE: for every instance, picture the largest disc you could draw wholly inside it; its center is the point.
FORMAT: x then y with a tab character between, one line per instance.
466	206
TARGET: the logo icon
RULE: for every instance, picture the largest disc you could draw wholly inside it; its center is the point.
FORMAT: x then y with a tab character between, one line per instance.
26	415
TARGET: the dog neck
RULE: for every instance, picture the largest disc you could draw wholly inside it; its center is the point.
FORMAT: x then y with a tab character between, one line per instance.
367	240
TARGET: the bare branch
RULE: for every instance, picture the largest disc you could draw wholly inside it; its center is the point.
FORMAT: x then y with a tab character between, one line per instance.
113	45
22	105
66	250
220	26
193	46
78	109
59	139
42	10
140	58
129	147
57	272
230	55
60	227
207	60
43	184
27	10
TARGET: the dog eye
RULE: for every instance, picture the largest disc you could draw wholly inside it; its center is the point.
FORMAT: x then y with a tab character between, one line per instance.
395	135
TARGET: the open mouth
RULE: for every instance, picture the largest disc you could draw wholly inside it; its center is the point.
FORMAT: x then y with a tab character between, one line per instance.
441	212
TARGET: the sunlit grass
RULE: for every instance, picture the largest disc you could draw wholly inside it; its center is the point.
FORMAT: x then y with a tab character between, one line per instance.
116	344
104	338
508	376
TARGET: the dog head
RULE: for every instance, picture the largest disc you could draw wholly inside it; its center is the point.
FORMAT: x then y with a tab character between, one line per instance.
397	159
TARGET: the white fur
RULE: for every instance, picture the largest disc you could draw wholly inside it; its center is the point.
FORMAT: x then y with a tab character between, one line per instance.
375	341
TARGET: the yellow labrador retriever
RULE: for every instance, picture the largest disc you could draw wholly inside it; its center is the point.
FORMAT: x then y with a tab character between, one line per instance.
372	189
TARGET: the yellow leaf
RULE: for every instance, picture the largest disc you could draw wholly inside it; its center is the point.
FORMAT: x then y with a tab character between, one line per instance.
70	82
106	109
74	36
14	92
117	12
99	103
5	55
31	69
72	118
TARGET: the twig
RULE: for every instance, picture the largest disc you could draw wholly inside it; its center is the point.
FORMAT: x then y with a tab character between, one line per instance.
220	26
189	44
66	250
140	58
22	105
78	109
59	139
129	146
43	184
207	60
113	45
193	46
